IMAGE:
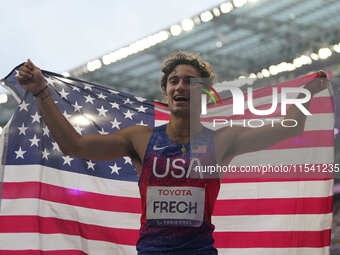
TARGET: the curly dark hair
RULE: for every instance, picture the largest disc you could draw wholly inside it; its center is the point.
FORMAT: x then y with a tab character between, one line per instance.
184	58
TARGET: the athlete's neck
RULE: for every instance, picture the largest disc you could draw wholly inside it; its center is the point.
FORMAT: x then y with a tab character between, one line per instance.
179	130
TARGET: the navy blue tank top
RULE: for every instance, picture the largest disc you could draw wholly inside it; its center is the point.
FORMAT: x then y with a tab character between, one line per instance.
177	201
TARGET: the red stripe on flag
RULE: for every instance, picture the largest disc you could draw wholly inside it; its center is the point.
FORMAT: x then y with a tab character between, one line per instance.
267	239
40	252
274	206
160	105
69	196
159	115
43	225
272	239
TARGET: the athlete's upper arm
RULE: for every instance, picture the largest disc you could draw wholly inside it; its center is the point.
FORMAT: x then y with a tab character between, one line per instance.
109	147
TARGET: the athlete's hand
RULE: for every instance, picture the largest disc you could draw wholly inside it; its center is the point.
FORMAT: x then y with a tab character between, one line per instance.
318	84
31	78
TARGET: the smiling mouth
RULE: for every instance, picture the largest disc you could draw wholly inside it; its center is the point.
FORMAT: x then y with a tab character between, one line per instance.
181	99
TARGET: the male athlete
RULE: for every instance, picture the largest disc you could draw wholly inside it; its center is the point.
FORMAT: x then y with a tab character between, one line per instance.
176	208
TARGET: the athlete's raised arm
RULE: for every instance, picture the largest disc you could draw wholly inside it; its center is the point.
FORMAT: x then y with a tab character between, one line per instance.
245	139
92	146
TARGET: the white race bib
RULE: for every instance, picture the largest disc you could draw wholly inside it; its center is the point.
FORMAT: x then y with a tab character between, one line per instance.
175	206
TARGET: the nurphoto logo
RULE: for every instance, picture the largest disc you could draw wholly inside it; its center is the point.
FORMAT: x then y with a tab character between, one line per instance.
239	102
238	107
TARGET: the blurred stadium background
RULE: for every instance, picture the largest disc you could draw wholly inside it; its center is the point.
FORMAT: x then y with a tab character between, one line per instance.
270	41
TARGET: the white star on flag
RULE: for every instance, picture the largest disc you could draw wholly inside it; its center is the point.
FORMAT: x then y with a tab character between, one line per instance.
115	105
77	107
22	129
127	160
45	154
115	123
67	160
55	146
128	115
46	131
34	141
89	99
128	101
141	108
90	164
103	132
140	99
20	153
75	88
36	117
23	106
64	94
49	80
102	111
102	96
115	169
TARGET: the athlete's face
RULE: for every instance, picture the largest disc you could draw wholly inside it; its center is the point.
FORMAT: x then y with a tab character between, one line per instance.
179	91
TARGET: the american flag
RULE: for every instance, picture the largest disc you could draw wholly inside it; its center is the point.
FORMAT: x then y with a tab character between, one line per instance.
55	204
